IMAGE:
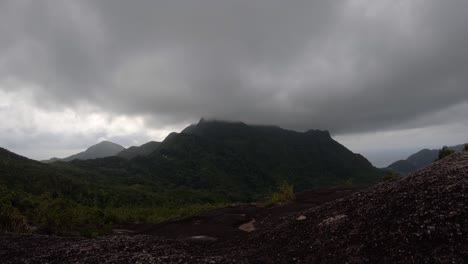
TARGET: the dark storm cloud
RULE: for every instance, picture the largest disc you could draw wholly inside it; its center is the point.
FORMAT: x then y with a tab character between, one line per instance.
346	66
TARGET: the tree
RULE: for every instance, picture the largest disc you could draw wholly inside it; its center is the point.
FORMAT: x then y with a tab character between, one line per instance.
466	147
445	152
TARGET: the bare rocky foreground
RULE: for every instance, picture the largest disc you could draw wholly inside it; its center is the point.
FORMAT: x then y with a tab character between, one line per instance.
227	223
421	218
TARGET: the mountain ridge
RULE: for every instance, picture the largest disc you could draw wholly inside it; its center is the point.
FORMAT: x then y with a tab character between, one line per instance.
419	160
246	160
136	151
100	150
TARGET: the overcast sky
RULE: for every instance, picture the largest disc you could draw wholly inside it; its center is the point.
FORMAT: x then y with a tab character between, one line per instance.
386	78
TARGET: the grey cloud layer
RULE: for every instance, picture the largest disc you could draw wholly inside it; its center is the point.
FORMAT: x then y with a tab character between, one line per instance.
346	66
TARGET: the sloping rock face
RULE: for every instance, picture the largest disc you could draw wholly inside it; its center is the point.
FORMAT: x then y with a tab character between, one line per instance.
111	249
420	218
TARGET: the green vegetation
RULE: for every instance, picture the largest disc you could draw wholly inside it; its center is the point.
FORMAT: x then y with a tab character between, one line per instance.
234	162
390	175
65	200
11	219
445	152
465	147
269	154
284	194
207	166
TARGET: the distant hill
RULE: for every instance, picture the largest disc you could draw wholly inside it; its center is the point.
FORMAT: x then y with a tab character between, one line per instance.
100	150
419	160
240	162
7	157
25	177
142	150
54	159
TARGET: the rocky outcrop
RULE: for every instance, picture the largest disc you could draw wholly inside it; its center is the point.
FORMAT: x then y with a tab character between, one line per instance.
110	249
420	218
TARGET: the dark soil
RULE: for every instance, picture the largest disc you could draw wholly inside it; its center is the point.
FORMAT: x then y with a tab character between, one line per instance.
223	224
420	218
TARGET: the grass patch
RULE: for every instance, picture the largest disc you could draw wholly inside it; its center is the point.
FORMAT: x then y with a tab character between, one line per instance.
284	194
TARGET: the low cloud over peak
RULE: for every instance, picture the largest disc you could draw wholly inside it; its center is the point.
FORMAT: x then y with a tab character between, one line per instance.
350	67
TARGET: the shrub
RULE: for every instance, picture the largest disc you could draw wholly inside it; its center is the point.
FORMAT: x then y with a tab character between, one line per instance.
12	220
389	176
445	152
349	183
284	194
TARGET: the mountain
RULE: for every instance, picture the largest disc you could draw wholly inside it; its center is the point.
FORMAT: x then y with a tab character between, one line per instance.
54	159
403	167
419	160
307	159
206	165
142	150
239	162
100	150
